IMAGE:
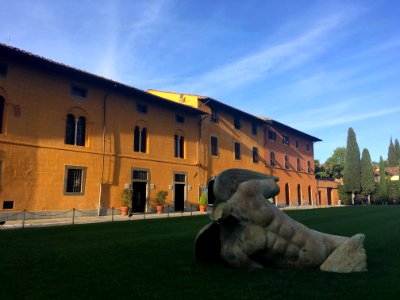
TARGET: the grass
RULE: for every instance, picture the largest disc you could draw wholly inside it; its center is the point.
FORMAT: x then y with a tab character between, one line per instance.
152	259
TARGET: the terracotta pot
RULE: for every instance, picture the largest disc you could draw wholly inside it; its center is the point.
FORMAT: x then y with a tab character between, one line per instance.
202	208
160	209
124	210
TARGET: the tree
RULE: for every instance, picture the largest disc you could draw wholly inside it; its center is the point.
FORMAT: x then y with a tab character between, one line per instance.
392	155
319	170
352	171
367	175
397	148
383	196
334	165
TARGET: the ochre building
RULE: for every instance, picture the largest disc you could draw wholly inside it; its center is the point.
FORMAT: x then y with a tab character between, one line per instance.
71	139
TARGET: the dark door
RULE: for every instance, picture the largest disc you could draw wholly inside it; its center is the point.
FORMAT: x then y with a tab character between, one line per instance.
309	195
287	194
139	196
319	197
299	194
329	192
211	196
179	196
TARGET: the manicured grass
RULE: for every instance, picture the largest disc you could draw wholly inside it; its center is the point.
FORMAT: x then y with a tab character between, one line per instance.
152	259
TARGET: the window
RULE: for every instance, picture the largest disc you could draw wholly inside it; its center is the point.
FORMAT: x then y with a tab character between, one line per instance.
3	70
214	146
78	91
237	151
180	119
255	154
140	139
308	147
8	204
214	116
298	165
141	108
180	178
272	159
271	135
254	128
236	122
74	180
285	140
308	166
297	144
139	175
75	130
179	146
286	162
2	105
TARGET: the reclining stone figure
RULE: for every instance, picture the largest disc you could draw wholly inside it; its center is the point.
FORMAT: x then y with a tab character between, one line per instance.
249	231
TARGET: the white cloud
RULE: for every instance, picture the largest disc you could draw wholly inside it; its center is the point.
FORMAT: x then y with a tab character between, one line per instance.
271	58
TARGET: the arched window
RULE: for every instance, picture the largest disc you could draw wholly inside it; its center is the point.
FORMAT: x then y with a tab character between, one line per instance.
179	146
308	166
75	130
272	159
70	130
140	139
309	195
1	113
286	162
298	165
80	131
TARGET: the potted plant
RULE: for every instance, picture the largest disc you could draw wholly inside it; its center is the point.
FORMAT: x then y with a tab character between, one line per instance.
202	202
160	200
126	201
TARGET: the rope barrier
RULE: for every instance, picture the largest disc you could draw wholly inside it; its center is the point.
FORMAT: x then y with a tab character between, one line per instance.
49	215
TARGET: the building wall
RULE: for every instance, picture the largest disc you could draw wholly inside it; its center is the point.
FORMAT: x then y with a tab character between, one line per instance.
33	152
34	156
296	187
327	192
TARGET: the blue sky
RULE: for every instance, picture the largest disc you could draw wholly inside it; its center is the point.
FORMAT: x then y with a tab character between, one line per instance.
318	66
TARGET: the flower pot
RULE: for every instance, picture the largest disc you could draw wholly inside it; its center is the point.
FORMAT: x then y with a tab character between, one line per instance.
124	210
202	208
160	209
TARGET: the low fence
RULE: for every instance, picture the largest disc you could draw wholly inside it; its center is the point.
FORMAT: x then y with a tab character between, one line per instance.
26	218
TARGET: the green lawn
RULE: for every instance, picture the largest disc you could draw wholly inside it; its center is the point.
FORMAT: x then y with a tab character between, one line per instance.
153	259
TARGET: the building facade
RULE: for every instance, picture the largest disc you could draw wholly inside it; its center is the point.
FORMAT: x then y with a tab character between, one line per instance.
71	139
236	139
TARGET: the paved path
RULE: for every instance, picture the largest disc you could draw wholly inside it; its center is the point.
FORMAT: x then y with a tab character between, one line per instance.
12	224
45	222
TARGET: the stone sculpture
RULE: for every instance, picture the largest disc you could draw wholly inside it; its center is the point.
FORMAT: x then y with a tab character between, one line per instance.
250	231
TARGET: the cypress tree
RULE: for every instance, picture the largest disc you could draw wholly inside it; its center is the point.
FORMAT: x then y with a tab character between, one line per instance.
367	175
383	196
392	155
397	148
352	171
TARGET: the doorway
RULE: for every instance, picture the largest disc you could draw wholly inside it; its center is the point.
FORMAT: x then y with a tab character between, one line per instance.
179	191
329	192
287	194
139	187
298	194
309	195
210	193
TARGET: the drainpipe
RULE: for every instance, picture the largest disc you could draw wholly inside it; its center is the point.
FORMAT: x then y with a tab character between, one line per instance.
103	147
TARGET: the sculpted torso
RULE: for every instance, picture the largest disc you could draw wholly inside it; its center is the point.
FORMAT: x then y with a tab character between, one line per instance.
255	233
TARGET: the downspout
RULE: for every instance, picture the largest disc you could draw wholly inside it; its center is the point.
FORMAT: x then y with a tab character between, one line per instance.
103	148
202	156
